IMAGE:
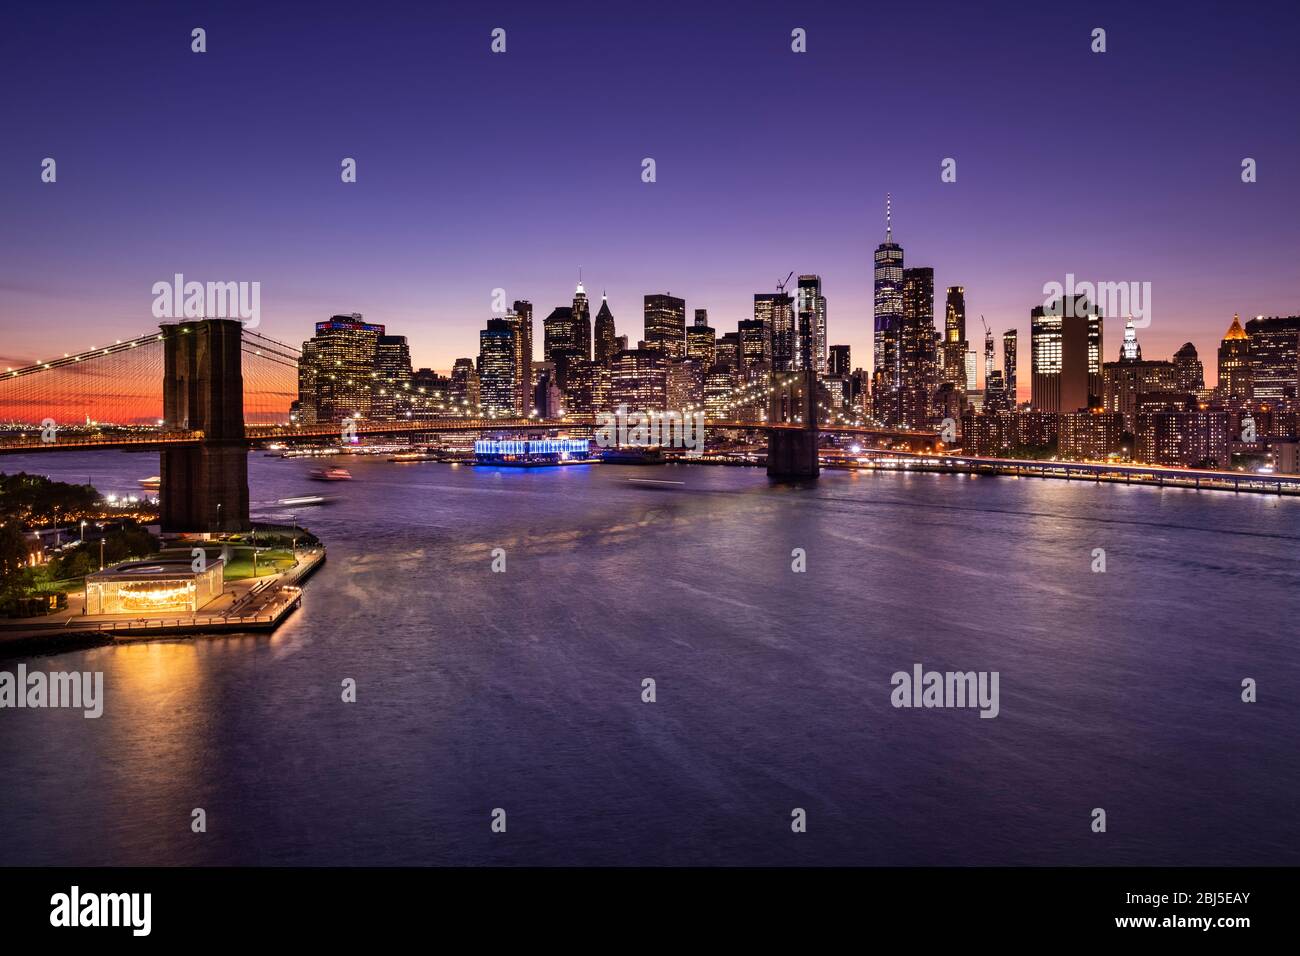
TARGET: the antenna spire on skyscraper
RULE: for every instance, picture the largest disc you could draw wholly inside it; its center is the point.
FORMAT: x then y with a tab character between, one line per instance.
889	218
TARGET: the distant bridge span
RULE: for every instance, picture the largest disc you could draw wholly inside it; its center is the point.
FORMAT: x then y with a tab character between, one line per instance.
66	440
226	388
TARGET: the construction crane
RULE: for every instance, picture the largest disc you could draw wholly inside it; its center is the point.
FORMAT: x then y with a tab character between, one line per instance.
780	286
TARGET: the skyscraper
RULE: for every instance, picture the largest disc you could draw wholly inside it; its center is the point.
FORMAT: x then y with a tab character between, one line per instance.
888	288
665	324
775	310
955	345
1234	362
752	356
606	338
391	388
498	386
810	301
523	310
464	387
1095	321
990	356
1060	343
639	380
557	332
581	323
916	348
1009	341
701	341
838	362
1190	371
1130	350
342	353
1274	354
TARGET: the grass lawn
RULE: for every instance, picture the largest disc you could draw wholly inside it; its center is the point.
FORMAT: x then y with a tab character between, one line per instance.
240	565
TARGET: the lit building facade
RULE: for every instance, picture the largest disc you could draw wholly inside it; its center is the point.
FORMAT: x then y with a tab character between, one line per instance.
153	585
888	320
341	356
639	380
498	384
1274	351
665	324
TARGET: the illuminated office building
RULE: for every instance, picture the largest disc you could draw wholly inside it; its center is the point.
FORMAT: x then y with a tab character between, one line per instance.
1274	351
1060	345
888	317
810	302
498	386
665	324
342	357
1234	362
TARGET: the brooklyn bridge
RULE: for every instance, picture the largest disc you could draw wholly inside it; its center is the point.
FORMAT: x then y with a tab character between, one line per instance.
202	392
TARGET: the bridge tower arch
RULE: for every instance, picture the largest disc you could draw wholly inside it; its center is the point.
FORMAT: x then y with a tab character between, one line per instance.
792	452
204	487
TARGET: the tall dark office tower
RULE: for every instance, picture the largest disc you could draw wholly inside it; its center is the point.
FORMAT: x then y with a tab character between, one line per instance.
701	343
728	351
955	346
391	388
1095	355
1189	370
1274	353
1060	344
752	354
523	365
557	333
308	372
606	339
524	312
775	310
838	362
916	347
990	356
1234	362
498	387
464	388
665	324
1009	341
581	323
888	322
343	351
810	301
583	391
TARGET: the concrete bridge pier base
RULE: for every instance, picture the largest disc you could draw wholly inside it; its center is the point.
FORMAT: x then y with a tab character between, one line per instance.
205	488
792	454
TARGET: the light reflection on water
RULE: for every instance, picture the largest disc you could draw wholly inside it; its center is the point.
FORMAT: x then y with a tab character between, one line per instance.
522	690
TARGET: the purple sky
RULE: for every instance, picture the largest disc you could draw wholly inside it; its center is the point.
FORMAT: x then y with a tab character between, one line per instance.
479	170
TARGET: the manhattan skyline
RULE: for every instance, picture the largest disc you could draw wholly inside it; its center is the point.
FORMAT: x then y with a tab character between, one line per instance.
489	185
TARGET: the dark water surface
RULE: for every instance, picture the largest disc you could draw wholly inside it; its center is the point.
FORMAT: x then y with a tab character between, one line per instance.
522	690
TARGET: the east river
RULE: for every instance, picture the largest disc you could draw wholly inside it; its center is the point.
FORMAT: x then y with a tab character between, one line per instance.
522	690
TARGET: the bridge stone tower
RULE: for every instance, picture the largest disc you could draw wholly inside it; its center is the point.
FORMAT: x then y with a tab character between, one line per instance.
205	487
792	453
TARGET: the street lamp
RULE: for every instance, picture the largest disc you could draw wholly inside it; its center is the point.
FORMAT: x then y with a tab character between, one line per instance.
83	532
218	517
